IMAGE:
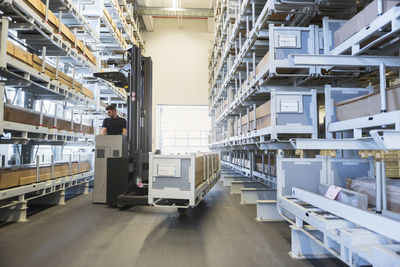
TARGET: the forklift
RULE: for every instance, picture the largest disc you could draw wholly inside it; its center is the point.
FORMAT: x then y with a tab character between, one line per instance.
122	162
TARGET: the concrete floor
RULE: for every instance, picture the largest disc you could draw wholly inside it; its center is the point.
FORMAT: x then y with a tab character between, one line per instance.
219	232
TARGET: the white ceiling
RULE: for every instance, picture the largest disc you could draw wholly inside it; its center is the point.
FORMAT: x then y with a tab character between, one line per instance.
179	3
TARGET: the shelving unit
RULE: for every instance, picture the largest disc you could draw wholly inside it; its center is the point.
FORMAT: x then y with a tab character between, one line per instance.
59	44
275	54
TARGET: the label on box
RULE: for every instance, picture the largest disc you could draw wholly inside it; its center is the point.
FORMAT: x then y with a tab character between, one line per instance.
289	106
333	192
166	170
287	41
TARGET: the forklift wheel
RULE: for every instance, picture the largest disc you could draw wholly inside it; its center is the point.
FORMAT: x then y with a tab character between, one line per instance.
122	206
182	211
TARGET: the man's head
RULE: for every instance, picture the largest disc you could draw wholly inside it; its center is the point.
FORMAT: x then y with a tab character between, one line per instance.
111	111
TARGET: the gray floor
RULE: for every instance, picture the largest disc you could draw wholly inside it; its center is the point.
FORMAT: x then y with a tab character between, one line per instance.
220	232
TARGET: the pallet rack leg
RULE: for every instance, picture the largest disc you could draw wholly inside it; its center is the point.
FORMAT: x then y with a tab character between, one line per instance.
267	211
14	213
304	246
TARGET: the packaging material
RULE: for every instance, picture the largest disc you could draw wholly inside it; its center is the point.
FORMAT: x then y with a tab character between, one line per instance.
367	186
17	176
36	62
20	115
206	165
40	8
361	20
263	115
263	62
367	105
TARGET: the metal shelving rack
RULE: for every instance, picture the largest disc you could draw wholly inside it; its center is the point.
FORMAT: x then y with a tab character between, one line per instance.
265	48
25	28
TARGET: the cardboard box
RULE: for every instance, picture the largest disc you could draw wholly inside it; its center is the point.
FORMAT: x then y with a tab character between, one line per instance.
263	110
361	20
67	34
263	62
40	8
7	180
90	55
19	115
19	53
263	115
11	177
80	46
367	105
367	186
118	32
263	122
107	14
200	172
87	92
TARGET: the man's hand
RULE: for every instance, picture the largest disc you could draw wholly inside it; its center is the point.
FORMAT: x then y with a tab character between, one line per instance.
124	131
104	131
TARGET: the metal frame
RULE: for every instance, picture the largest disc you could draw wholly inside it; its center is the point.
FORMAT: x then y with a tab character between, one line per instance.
194	195
317	229
14	200
351	234
48	43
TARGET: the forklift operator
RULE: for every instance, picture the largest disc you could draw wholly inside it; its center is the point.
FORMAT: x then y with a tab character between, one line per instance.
114	125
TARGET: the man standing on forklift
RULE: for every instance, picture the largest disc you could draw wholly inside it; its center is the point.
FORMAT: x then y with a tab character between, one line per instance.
114	125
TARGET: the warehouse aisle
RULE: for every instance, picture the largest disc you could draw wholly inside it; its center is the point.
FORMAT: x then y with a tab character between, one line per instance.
220	232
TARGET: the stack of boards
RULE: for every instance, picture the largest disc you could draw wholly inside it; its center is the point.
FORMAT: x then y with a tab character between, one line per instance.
35	62
26	116
22	175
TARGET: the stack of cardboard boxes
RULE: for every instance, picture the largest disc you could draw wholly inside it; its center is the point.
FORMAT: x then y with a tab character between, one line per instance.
259	165
35	62
12	177
114	26
26	116
368	105
40	8
207	165
263	119
362	20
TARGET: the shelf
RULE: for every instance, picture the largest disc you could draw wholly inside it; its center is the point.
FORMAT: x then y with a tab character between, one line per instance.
20	133
263	178
361	42
71	16
109	37
337	228
31	80
40	34
13	201
44	186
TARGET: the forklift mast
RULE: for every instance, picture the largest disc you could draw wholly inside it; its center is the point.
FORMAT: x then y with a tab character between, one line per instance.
139	118
127	178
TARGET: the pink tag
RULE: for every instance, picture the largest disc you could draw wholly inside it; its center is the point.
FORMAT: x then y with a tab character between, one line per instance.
333	192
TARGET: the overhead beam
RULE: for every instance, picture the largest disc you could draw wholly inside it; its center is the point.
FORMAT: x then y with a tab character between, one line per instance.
176	12
344	60
148	23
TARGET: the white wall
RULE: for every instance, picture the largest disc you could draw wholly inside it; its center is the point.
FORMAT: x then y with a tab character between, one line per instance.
180	62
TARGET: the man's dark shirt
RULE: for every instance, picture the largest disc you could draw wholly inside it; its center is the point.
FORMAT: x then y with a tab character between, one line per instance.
114	126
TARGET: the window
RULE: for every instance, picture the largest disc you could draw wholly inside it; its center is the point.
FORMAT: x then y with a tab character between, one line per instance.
182	129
